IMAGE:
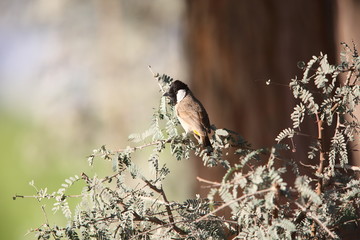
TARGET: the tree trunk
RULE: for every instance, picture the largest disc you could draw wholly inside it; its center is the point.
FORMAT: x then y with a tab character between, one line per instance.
234	47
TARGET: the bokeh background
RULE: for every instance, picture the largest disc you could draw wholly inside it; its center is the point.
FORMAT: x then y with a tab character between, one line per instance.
74	76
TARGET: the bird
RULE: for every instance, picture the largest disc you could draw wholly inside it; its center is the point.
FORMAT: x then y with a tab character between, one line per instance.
190	112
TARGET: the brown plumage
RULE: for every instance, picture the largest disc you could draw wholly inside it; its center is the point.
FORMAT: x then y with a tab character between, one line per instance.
190	112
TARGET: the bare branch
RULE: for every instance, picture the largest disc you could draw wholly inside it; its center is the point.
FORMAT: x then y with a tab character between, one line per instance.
167	205
157	77
208	182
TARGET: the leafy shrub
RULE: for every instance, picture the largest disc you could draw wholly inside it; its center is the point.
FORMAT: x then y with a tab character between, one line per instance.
264	204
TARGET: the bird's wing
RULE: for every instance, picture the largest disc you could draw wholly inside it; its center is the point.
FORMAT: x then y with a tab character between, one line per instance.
193	113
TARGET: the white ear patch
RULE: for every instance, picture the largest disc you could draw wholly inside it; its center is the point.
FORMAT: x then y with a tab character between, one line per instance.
180	95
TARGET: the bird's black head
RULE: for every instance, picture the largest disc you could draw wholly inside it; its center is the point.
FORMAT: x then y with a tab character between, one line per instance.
174	88
177	85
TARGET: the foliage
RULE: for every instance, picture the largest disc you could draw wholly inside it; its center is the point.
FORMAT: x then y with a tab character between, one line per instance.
318	201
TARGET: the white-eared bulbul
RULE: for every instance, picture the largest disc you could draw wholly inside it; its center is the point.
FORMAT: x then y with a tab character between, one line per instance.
190	112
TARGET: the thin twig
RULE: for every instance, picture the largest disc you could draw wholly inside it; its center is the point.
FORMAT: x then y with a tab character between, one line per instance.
133	149
45	196
167	206
108	178
150	219
234	201
316	220
303	134
322	151
156	76
321	162
349	167
307	165
343	223
154	229
208	182
47	219
334	107
349	75
157	201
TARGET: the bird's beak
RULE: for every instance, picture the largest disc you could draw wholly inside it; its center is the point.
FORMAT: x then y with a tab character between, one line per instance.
166	94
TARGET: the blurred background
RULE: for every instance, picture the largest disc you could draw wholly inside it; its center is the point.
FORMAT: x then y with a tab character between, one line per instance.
74	76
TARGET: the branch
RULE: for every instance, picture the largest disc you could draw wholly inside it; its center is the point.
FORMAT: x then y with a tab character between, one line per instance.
154	229
147	218
337	226
316	220
48	196
307	165
208	182
217	184
109	178
157	77
133	149
349	167
322	152
167	206
350	73
234	201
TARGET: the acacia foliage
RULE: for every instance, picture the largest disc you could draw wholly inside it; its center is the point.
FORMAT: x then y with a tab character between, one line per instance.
263	204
